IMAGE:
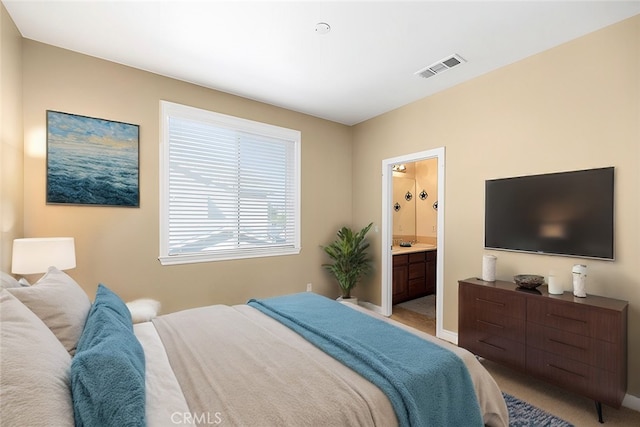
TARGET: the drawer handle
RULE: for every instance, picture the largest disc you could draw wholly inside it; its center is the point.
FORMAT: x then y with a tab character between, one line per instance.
490	302
564	370
491	345
484	322
565	318
567	344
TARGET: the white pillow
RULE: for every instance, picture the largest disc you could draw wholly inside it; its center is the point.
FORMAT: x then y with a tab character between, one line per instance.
8	281
143	310
60	303
34	385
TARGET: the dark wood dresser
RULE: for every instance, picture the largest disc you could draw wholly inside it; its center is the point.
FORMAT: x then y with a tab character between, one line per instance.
576	343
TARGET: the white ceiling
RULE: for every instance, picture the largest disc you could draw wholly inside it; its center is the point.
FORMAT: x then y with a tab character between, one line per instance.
269	51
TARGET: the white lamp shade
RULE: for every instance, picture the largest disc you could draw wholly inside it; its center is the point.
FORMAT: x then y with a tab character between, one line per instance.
36	255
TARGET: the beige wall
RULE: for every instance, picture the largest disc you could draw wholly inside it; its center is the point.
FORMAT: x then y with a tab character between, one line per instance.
119	246
11	153
556	111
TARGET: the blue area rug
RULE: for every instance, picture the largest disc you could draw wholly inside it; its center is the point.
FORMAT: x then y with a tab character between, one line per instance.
522	414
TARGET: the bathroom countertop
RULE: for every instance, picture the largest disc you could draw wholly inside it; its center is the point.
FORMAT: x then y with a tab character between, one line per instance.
416	247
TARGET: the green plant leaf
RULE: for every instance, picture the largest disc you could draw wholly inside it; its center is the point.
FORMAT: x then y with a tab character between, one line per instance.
350	258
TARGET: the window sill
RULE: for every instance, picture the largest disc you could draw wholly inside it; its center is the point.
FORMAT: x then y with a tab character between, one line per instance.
226	256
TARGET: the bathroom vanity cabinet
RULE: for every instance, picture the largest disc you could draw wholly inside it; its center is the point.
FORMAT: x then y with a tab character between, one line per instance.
414	275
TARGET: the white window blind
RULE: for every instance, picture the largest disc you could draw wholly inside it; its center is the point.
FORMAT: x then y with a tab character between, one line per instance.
230	187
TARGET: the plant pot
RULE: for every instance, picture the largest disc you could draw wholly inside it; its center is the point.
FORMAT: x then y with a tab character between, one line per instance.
351	300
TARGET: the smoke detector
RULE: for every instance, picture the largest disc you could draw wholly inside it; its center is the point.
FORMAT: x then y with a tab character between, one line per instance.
440	66
322	28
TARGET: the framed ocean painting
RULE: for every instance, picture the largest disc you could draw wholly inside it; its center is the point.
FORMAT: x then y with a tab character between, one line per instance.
92	161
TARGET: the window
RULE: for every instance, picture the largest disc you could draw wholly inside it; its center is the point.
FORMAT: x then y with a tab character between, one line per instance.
229	187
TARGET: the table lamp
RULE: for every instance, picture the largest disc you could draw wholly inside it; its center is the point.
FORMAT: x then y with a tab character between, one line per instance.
36	255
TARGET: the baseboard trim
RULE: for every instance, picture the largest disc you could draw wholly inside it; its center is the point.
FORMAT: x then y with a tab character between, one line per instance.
446	335
370	306
631	402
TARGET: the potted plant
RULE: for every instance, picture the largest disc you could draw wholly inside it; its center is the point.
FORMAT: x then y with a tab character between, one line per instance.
350	261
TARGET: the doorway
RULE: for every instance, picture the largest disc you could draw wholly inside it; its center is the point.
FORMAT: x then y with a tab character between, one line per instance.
387	228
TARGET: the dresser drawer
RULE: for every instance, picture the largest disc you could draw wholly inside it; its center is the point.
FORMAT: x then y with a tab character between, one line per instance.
575	318
485	299
493	347
589	381
559	370
493	323
579	348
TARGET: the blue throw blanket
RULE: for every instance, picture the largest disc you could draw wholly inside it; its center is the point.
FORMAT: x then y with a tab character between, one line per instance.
427	385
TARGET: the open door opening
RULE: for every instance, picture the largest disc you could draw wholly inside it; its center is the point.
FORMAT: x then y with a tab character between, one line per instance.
390	245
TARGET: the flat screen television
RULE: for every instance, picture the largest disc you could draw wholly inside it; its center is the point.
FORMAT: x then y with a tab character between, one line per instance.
565	213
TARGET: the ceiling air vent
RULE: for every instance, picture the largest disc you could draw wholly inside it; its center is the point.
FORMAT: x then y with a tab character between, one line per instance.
440	66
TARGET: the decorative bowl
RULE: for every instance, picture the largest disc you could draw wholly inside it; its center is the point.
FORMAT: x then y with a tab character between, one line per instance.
529	281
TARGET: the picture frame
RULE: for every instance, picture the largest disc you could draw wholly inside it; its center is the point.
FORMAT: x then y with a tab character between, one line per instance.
92	161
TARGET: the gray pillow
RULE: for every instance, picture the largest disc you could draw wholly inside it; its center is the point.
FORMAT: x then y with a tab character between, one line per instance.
34	385
8	281
60	303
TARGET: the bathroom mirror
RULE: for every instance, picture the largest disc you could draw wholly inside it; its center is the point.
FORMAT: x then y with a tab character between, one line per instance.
404	213
415	192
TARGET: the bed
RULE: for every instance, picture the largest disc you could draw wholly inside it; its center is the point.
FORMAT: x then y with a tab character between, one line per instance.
66	360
